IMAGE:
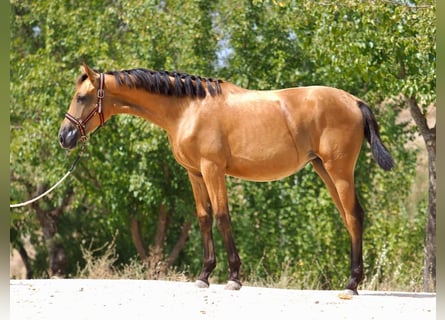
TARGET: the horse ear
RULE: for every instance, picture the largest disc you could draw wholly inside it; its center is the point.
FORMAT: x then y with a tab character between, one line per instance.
92	75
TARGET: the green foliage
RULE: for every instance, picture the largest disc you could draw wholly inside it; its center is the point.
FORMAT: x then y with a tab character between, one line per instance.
376	50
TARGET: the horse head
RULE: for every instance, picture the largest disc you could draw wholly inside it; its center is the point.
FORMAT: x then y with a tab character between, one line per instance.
85	113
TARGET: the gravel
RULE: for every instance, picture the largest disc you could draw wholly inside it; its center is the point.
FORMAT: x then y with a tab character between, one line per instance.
146	299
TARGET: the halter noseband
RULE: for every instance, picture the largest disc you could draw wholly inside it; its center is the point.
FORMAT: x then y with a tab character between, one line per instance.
80	124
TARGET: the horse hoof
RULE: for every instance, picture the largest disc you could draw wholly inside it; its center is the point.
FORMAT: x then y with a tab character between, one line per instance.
232	285
347	294
201	284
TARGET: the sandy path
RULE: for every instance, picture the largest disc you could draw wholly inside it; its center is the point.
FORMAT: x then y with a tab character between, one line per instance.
135	299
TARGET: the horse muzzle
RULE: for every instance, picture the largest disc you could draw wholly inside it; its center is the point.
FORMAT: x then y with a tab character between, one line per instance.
69	135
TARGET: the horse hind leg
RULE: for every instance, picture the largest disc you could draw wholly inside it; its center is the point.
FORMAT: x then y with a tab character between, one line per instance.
340	183
323	174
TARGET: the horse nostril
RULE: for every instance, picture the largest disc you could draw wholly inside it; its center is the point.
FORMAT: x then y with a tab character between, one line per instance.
68	137
61	139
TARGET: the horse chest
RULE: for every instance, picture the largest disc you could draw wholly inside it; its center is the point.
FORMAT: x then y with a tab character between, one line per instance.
187	150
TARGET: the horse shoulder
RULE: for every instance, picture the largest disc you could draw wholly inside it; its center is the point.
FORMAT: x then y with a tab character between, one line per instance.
197	136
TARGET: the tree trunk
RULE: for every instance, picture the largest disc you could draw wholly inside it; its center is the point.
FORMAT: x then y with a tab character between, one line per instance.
25	259
57	260
429	275
180	244
49	220
156	253
429	136
135	231
155	258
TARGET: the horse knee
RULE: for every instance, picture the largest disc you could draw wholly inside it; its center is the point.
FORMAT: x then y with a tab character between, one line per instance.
223	222
205	222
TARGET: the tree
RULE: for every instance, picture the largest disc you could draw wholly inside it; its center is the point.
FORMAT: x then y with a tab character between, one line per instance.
383	52
114	189
389	52
360	47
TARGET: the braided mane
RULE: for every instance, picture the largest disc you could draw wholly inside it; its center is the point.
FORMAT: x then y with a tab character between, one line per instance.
167	83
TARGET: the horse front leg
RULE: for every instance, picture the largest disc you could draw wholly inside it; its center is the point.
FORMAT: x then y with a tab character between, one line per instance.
216	186
224	226
204	213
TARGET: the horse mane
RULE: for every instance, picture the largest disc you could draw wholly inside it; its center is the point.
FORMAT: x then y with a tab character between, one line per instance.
167	83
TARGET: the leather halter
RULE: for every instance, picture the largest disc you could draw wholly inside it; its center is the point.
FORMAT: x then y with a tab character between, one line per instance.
79	123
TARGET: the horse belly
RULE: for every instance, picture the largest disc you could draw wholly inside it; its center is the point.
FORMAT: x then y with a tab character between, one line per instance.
265	161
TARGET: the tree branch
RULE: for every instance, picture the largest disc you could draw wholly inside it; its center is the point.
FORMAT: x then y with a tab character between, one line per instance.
162	226
179	244
420	119
395	3
25	259
135	231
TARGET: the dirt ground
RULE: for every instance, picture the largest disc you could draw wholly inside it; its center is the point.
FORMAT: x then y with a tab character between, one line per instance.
144	299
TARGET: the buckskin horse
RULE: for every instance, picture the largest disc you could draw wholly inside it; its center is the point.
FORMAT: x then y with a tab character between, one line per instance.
216	128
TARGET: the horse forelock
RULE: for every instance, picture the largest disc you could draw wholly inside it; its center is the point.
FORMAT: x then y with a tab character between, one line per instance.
167	83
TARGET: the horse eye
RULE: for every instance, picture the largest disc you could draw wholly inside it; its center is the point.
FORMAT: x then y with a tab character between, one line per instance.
81	98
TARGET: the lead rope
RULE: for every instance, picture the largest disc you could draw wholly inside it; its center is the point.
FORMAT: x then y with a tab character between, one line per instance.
71	169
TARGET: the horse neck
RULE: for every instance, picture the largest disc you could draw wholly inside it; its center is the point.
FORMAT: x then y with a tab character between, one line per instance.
164	111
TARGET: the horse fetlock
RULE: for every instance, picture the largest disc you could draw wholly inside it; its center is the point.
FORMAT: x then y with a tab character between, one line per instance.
209	264
233	285
347	294
200	283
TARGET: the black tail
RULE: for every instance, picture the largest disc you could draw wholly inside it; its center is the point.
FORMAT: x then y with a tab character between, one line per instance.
379	151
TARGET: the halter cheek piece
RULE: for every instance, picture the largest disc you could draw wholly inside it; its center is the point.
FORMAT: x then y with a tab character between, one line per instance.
80	124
